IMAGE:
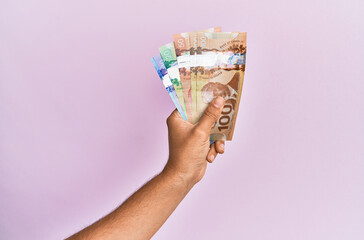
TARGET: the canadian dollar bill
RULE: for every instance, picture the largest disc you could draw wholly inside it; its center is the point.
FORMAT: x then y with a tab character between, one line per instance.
183	46
168	54
162	72
219	71
193	73
181	43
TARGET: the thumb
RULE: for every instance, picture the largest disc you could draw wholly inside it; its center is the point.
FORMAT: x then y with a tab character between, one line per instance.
211	114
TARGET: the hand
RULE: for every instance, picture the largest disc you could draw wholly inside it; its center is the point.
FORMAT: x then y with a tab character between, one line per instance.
189	145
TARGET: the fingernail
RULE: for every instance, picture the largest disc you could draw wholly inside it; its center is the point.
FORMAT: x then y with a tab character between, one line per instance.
222	146
218	102
211	158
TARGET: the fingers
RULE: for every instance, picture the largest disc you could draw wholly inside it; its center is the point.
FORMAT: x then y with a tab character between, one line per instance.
211	155
216	148
220	146
211	114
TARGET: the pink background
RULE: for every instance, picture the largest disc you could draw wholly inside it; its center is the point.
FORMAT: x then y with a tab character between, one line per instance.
82	118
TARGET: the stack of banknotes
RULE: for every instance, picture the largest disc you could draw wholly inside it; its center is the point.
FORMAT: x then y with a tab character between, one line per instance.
199	66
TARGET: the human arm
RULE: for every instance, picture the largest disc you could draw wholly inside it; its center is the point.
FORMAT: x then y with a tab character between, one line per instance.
141	215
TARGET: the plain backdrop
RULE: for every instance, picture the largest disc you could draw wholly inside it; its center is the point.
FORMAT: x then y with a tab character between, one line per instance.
82	118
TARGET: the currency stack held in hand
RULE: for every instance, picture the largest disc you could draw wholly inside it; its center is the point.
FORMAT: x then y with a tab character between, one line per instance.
199	66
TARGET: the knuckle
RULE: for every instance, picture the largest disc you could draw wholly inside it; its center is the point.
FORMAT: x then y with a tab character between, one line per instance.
172	118
169	120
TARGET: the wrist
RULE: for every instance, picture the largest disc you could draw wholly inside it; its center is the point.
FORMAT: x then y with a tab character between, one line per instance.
178	178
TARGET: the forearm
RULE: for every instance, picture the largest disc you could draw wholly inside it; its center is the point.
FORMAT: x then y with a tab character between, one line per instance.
144	212
140	217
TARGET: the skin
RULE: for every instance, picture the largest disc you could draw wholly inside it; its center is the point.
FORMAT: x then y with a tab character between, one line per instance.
142	214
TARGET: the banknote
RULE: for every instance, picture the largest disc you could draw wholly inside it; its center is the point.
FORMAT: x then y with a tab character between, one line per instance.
193	73
162	72
181	43
182	46
200	74
168	54
220	67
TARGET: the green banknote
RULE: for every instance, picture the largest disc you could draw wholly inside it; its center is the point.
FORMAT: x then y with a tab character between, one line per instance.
168	54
